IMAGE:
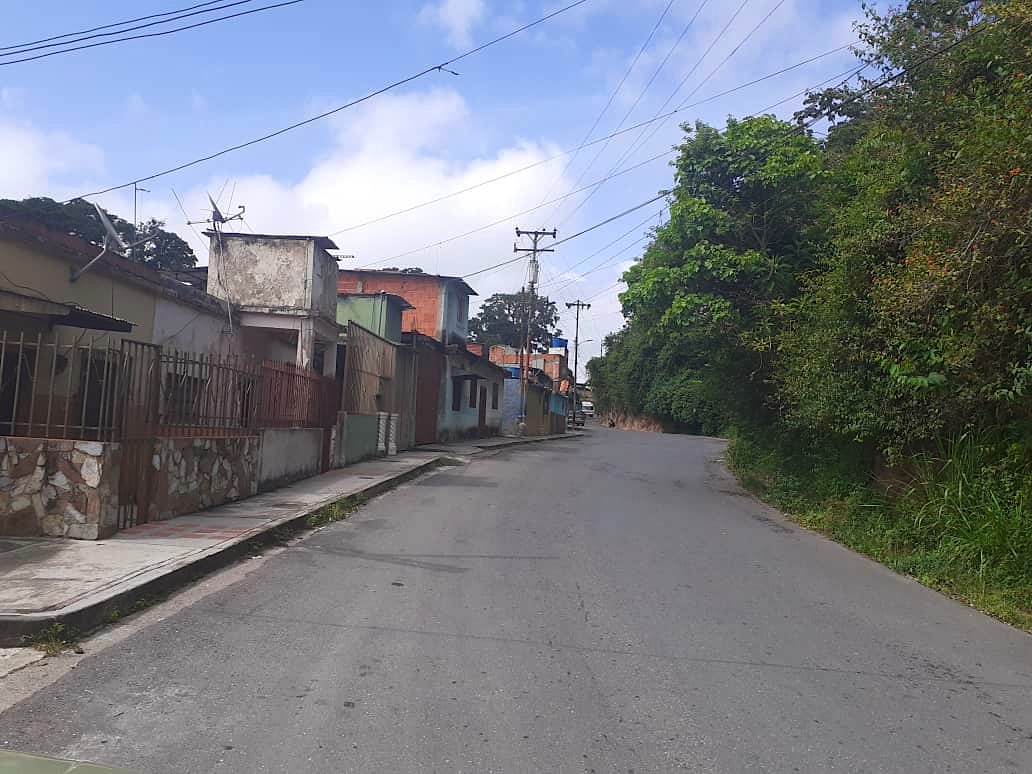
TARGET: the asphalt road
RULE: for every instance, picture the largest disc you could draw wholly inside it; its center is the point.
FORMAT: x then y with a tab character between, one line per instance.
613	604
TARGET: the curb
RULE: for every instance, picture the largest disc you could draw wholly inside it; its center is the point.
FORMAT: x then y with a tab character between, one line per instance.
529	440
90	615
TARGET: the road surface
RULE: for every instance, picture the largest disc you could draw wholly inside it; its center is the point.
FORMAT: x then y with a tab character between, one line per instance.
614	604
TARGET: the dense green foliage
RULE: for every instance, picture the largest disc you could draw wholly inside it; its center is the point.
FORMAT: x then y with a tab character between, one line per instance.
856	309
158	248
503	318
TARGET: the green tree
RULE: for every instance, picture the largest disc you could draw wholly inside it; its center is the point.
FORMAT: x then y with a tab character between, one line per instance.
162	250
702	302
503	317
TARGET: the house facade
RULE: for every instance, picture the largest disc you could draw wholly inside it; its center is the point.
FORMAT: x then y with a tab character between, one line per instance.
131	396
284	290
439	303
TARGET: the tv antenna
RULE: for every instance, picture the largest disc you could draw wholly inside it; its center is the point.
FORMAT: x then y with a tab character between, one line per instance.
217	219
113	243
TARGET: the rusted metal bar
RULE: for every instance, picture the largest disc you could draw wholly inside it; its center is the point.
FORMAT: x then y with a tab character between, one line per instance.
84	397
34	384
105	395
50	387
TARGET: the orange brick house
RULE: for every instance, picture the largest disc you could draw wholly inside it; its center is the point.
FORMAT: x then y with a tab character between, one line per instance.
458	392
441	303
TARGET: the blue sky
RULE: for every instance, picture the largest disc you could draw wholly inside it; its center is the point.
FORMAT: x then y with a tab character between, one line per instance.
77	122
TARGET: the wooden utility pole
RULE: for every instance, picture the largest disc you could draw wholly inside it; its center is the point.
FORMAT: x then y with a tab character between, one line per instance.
532	276
578	305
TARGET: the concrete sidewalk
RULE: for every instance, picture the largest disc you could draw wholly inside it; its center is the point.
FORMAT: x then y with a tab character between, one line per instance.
83	584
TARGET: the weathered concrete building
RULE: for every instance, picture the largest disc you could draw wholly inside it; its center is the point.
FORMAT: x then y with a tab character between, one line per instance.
128	395
284	289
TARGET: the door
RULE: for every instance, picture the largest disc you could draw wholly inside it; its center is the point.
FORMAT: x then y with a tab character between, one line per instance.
482	408
140	395
429	368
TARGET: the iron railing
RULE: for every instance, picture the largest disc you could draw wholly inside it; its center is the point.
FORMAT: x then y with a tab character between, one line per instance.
54	390
205	395
92	389
296	397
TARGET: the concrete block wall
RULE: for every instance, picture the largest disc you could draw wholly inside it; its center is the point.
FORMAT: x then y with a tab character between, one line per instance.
360	437
289	454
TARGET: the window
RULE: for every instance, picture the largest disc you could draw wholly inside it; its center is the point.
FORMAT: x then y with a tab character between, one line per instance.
494	395
472	393
456	394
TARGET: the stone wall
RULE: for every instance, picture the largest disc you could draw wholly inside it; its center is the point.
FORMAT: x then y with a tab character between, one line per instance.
191	474
58	488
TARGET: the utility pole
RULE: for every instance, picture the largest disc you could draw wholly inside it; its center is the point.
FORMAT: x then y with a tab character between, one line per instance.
132	247
532	275
578	305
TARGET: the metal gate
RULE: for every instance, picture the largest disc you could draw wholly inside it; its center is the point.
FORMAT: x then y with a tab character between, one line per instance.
429	367
141	390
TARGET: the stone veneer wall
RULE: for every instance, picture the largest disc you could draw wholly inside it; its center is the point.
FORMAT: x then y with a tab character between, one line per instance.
58	488
191	474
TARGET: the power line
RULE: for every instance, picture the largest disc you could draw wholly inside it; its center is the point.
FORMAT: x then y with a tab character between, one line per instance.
644	137
847	76
856	97
635	143
577	235
605	290
642	93
508	262
507	218
435	68
596	141
505	263
27	47
109	26
628	232
151	35
612	97
606	262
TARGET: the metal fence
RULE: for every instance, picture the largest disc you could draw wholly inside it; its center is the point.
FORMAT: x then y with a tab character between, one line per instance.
94	390
296	397
369	371
54	390
207	395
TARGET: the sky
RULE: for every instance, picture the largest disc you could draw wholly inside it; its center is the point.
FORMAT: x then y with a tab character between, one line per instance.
90	119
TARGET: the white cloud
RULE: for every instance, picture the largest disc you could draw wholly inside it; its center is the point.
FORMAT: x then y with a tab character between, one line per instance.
456	17
42	163
382	160
398	151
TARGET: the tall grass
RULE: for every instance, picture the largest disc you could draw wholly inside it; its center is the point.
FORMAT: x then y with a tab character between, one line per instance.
961	522
972	504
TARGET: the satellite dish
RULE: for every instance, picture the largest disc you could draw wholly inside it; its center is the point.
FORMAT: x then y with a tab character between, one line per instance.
112	238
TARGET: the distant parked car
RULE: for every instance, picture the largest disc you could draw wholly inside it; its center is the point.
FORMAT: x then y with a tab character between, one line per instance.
588	408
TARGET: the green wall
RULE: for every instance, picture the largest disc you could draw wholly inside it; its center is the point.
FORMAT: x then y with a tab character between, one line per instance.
379	314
